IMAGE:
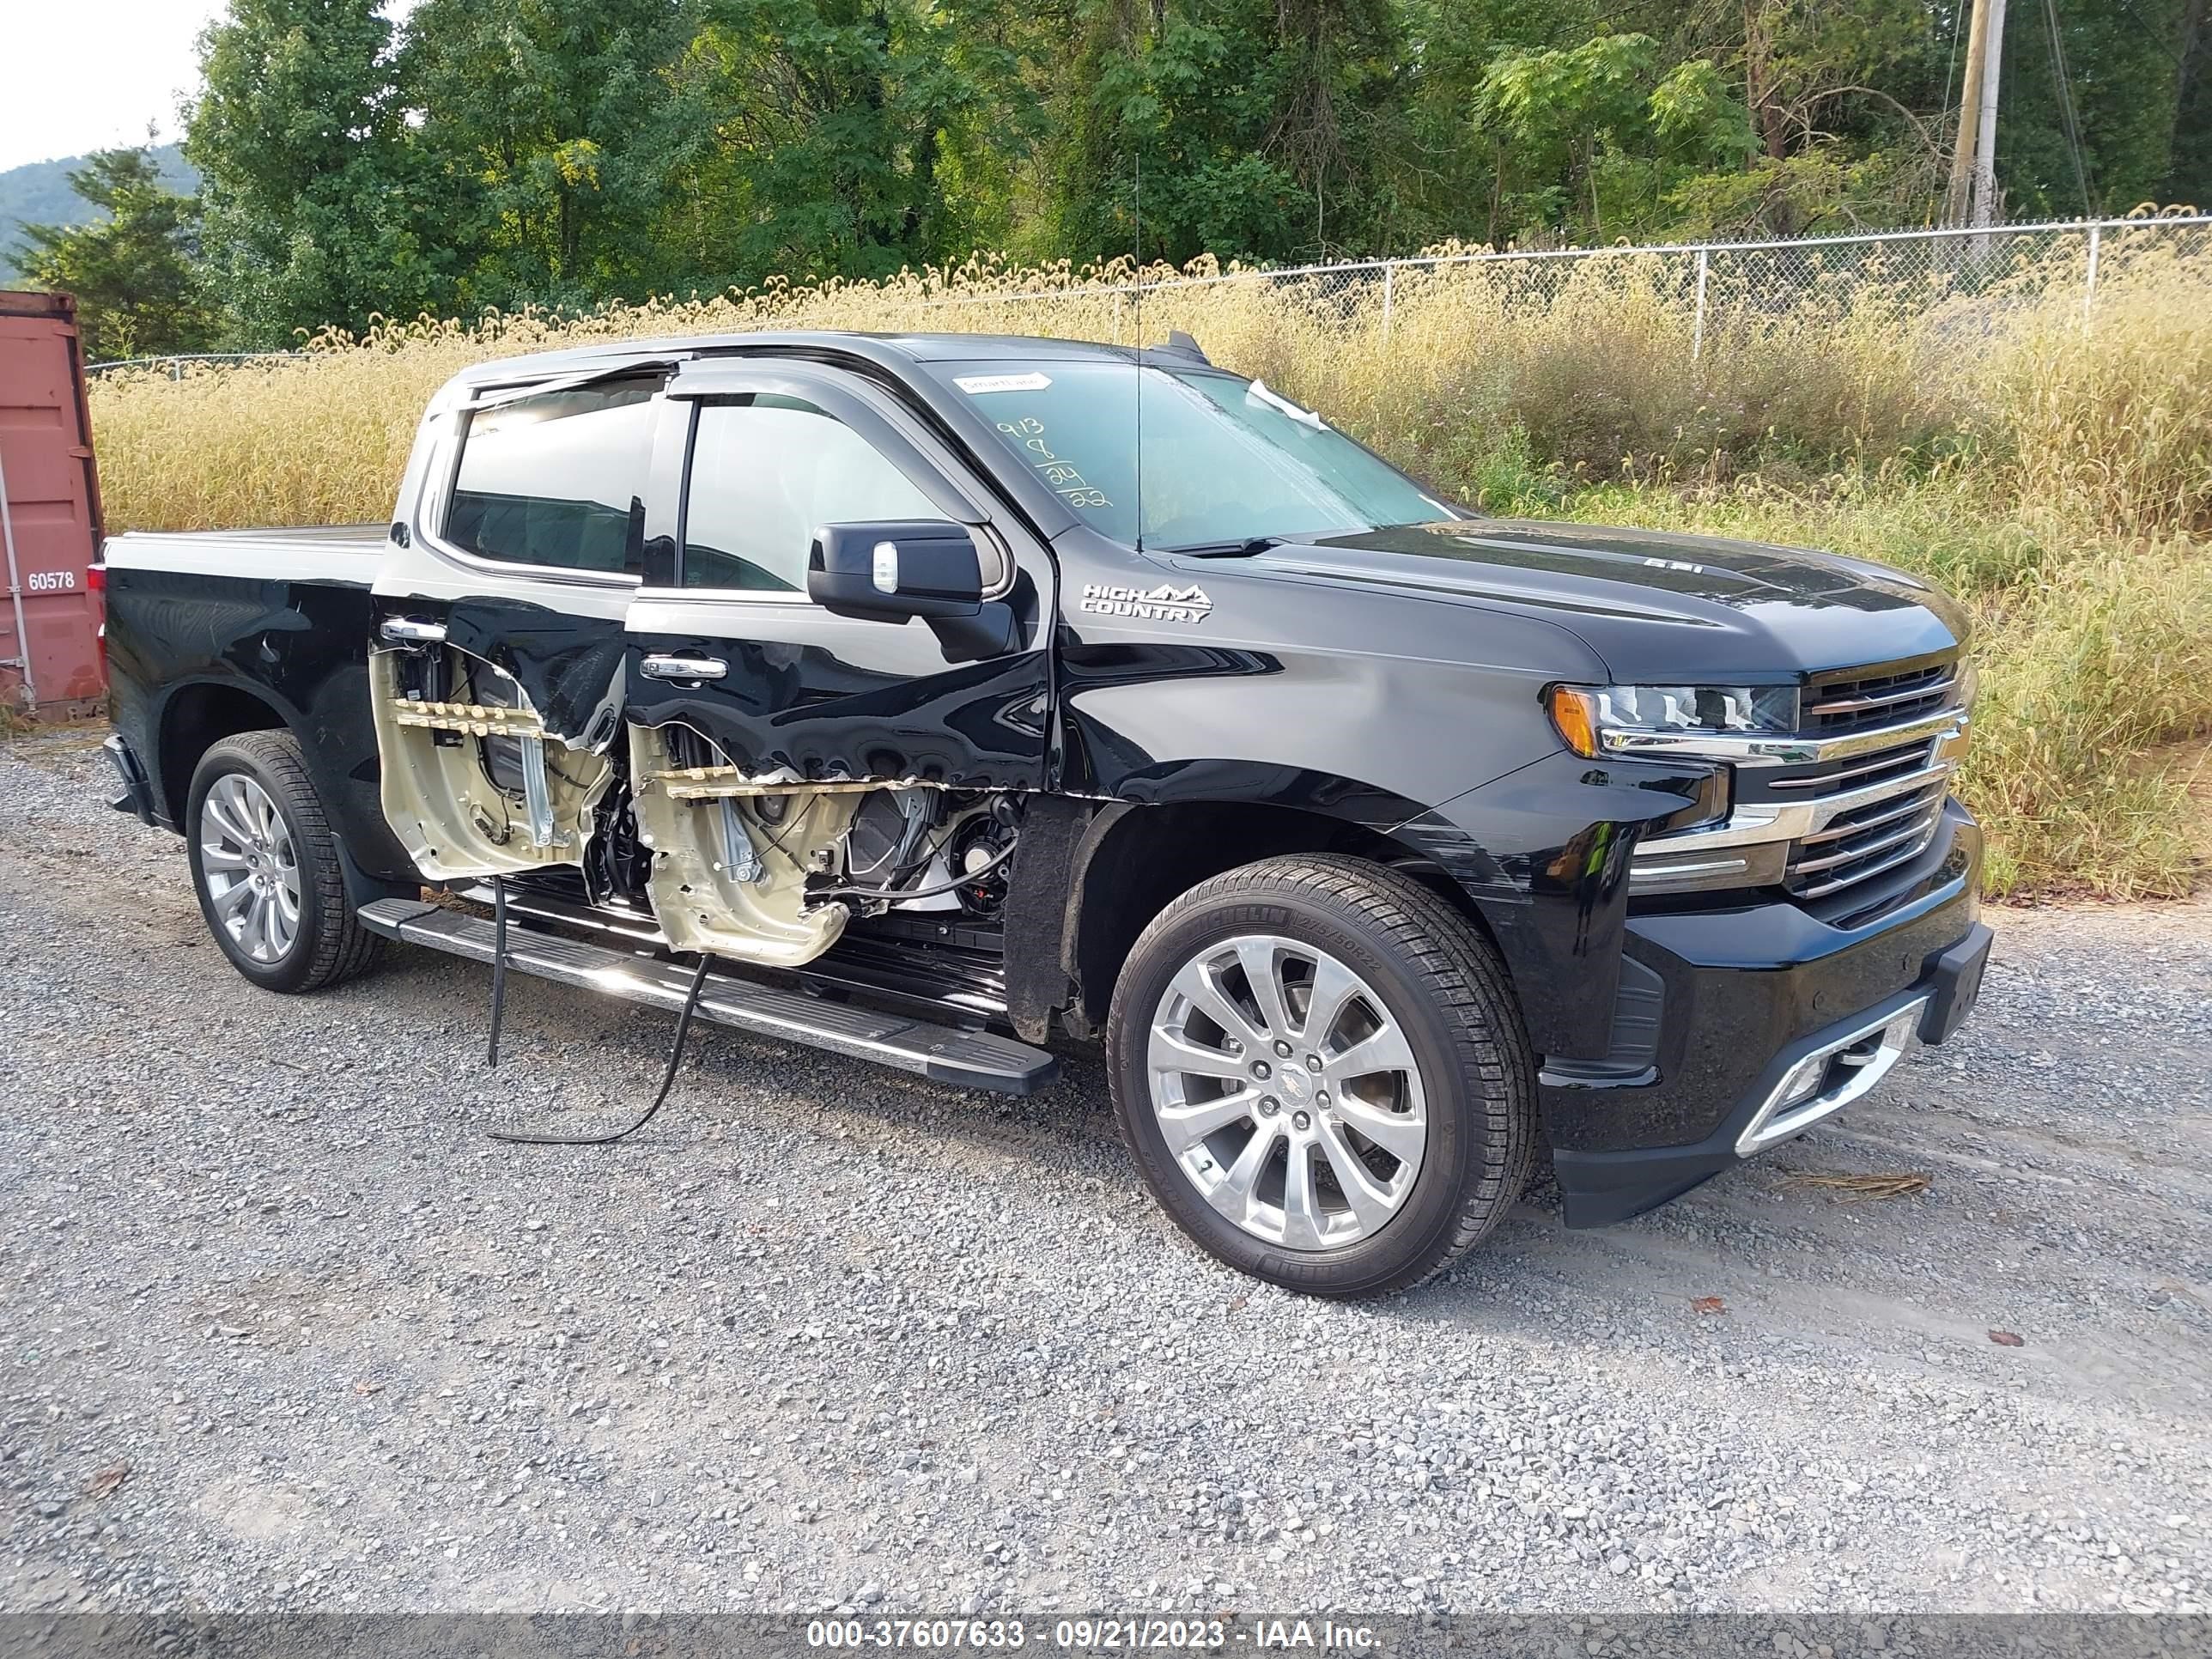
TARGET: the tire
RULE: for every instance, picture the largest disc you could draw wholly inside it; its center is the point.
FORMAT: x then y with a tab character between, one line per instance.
1456	1125
326	943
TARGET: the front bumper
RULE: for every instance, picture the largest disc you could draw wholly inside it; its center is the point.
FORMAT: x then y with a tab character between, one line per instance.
1762	1020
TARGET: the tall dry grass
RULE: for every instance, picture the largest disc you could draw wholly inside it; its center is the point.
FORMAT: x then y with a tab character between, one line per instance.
1959	415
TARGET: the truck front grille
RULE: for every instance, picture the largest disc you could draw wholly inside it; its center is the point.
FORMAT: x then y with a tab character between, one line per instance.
1898	806
1817	829
1860	700
1866	841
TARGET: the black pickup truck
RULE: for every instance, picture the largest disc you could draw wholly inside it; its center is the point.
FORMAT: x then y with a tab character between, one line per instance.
954	695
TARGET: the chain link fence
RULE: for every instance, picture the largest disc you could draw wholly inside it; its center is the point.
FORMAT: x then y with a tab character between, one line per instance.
177	363
1965	279
1963	282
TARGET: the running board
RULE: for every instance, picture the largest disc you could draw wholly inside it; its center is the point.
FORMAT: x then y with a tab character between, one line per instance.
944	1054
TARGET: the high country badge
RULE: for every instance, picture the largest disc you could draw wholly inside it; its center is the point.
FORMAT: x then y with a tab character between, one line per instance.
1166	602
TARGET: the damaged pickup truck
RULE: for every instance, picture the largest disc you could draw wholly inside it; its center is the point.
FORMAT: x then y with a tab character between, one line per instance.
933	699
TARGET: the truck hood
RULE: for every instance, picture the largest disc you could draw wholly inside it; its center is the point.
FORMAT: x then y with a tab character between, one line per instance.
1652	604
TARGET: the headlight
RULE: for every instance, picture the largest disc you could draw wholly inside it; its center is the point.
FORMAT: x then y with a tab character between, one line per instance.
1584	713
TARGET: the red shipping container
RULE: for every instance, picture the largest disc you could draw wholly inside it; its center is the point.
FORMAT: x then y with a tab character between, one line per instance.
50	528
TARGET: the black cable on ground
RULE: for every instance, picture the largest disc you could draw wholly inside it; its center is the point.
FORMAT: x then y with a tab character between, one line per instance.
667	1081
498	965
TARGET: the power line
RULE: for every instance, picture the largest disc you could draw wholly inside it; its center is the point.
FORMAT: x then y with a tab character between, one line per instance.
2066	111
2128	11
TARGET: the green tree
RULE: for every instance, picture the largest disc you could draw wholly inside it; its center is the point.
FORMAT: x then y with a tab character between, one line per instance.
131	270
551	134
514	151
853	137
316	213
1568	111
2127	72
1767	115
1262	128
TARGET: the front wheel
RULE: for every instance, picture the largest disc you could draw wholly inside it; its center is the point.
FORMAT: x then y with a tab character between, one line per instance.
265	866
1322	1074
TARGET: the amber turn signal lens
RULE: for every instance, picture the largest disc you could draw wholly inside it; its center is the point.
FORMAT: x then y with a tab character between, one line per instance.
1574	712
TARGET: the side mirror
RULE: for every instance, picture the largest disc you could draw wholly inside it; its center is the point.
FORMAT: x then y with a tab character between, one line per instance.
926	567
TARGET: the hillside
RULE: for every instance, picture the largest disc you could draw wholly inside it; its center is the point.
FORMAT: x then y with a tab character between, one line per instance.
38	194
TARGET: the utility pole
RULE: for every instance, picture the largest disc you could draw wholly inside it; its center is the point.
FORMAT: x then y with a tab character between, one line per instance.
1970	119
1985	148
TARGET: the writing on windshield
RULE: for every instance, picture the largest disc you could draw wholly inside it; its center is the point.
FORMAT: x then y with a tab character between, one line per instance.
1065	477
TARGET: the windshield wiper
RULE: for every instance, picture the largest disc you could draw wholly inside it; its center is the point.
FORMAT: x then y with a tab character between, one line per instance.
1243	548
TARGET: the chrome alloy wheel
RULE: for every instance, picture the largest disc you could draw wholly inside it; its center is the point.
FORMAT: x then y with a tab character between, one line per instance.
1287	1094
253	874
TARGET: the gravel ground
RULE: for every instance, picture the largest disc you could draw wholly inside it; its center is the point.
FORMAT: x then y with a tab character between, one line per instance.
284	1330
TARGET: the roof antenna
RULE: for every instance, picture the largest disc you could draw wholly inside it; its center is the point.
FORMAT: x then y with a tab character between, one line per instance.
1138	307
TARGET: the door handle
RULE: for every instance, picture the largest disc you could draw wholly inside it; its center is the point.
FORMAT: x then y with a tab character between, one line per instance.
684	668
405	630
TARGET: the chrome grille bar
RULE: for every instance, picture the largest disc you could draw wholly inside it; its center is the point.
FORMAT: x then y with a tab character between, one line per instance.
1843	831
1903	756
1911	694
1904	855
1795	821
1920	827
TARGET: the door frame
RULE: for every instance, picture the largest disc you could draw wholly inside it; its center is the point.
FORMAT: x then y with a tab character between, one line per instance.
1026	578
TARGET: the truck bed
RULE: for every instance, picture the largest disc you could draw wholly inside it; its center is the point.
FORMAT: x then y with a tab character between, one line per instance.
332	552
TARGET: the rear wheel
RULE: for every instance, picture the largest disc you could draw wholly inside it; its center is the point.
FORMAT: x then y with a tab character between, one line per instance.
1321	1071
265	866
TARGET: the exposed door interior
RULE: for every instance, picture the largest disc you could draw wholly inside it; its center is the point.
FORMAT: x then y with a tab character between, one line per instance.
498	709
604	657
781	752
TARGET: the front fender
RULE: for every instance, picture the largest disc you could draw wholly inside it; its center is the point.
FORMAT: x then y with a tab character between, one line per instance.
1543	852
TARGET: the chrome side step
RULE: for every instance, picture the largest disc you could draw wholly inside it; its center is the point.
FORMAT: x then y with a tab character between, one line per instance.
944	1054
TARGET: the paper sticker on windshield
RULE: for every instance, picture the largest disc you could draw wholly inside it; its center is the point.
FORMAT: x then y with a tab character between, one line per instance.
1259	392
975	383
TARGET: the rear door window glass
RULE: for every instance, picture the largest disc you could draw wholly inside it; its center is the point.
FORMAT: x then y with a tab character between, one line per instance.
557	479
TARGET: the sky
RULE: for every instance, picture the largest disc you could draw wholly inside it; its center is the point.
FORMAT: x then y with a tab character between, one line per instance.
76	75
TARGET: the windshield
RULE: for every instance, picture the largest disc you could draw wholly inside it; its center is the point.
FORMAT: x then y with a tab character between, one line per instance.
1226	460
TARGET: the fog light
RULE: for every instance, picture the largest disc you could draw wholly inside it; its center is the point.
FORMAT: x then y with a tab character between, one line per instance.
1803	1080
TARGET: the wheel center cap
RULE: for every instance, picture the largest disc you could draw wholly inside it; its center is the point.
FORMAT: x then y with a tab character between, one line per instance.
1294	1086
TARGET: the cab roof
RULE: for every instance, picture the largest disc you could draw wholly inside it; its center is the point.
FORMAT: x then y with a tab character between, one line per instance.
885	350
917	366
893	352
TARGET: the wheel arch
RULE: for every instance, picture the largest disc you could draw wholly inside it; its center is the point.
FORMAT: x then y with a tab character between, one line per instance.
196	716
1131	862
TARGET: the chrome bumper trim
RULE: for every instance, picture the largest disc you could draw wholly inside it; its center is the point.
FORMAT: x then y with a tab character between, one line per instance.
1780	1117
1797	820
1644	873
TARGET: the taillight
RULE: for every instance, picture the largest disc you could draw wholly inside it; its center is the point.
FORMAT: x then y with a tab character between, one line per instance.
95	583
